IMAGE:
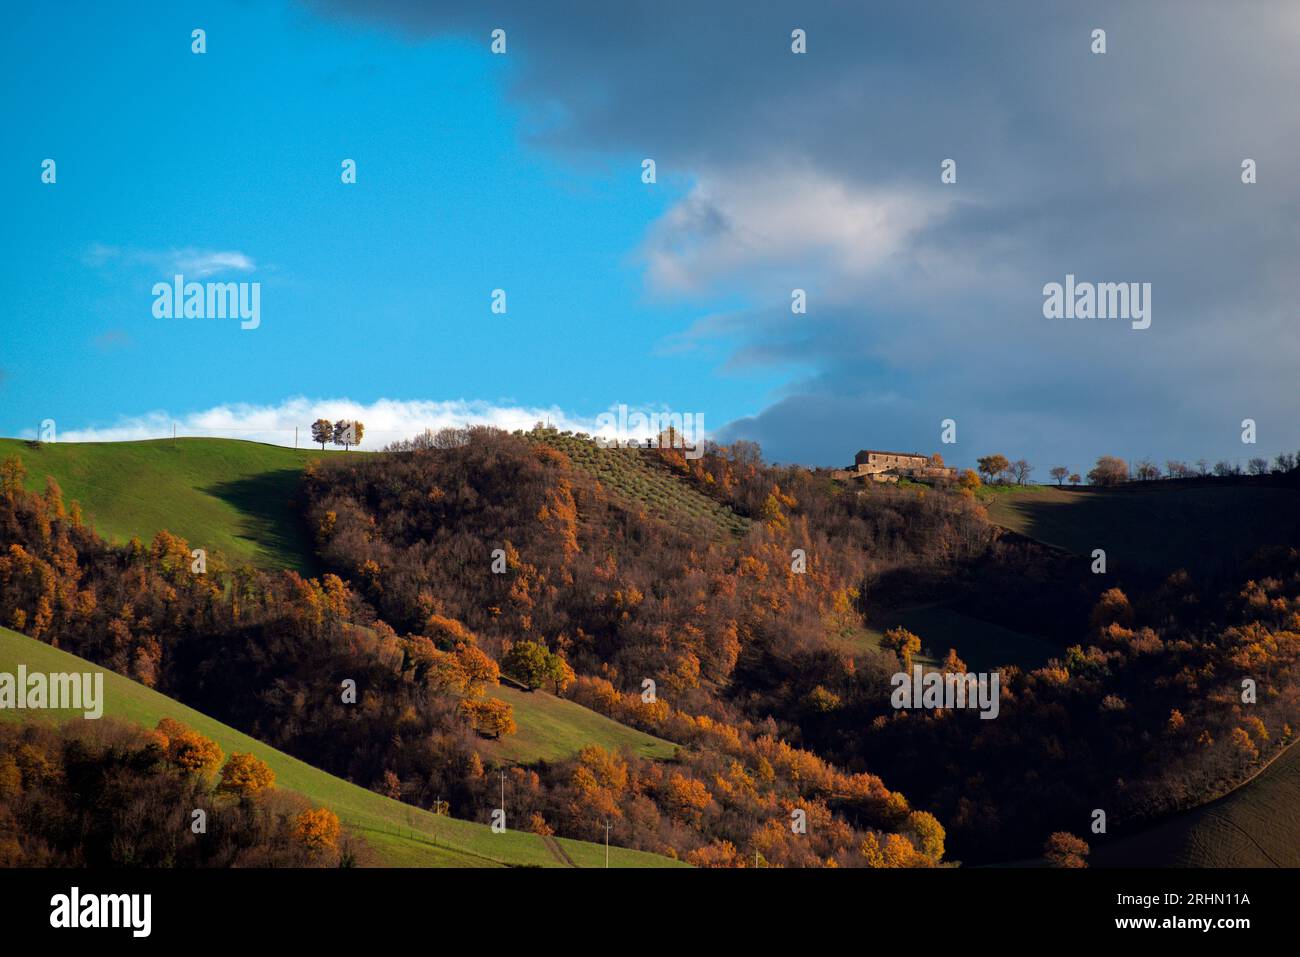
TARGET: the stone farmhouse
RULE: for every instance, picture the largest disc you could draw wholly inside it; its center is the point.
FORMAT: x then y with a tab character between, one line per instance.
874	465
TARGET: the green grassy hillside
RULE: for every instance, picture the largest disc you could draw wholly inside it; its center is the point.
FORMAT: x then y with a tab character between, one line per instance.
221	495
552	728
402	836
1258	825
633	479
1156	526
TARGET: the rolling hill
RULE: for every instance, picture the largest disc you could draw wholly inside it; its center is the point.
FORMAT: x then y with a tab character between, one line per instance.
224	495
1153	526
401	835
1257	825
552	728
982	645
234	497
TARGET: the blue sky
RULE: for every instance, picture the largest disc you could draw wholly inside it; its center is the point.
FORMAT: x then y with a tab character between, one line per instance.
378	289
775	172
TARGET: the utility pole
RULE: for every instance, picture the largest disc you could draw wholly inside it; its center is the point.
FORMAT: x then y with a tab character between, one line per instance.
295	436
607	827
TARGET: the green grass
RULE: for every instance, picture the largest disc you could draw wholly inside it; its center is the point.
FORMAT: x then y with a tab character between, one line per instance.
551	729
223	495
1154	526
981	644
1258	825
634	479
401	835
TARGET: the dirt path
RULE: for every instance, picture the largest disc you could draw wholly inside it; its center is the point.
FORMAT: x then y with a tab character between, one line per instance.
557	851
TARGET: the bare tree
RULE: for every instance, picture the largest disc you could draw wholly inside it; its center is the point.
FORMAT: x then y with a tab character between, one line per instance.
1059	472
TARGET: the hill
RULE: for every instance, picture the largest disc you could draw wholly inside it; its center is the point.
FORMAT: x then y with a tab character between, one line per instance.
1153	526
401	835
1257	825
224	495
552	728
634	479
982	645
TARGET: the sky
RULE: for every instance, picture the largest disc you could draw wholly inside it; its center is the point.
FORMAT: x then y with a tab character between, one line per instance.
523	171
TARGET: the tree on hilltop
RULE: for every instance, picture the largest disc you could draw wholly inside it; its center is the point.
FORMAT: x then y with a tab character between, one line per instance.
1109	470
322	431
1059	472
991	466
348	433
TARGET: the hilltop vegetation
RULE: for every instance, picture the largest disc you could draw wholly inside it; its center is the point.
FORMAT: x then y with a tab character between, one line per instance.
234	499
642	479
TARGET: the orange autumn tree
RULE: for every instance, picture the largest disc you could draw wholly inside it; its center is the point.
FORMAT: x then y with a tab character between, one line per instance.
1063	849
317	830
903	643
245	774
186	748
489	716
687	798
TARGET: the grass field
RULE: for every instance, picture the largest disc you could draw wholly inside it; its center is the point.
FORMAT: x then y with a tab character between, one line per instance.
633	480
1258	825
552	728
1154	526
222	495
981	644
401	835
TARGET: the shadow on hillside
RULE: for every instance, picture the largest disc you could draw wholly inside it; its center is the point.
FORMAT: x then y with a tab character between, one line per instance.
271	519
1208	530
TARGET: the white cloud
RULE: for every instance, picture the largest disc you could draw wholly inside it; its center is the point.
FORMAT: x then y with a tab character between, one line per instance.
200	263
760	220
386	420
196	263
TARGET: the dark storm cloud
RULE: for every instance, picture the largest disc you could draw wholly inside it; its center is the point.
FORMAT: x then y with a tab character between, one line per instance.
822	171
